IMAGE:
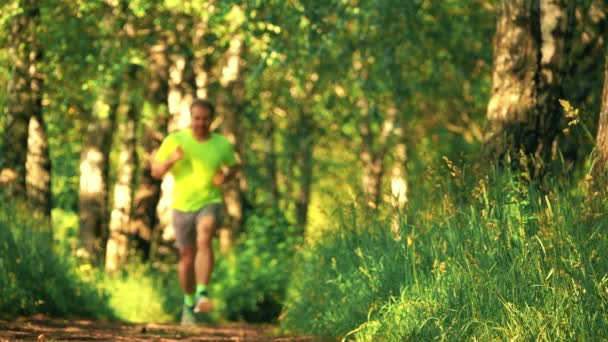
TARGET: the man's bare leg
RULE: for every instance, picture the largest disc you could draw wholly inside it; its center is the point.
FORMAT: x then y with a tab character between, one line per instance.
204	261
186	269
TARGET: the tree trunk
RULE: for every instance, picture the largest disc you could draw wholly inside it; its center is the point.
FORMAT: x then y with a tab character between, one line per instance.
147	194
203	52
555	21
38	165
399	188
230	107
589	41
38	161
271	161
94	167
513	107
118	241
304	164
373	169
600	170
22	98
373	151
181	93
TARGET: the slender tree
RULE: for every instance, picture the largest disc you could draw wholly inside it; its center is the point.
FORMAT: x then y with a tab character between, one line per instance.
120	217
148	191
231	106
24	95
304	163
94	169
38	164
38	161
601	145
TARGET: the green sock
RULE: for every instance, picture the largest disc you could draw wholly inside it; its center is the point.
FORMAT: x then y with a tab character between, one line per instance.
189	299
201	289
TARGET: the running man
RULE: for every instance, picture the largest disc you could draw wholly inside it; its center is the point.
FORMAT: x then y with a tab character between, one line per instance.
200	162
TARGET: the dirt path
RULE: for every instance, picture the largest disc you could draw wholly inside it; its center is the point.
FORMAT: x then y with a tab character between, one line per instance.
43	329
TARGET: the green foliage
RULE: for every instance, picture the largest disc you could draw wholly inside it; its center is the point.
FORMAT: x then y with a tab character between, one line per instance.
476	256
488	258
352	269
251	281
140	294
37	277
248	284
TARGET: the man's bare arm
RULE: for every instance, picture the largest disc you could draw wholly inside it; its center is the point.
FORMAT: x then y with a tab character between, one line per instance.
160	169
225	174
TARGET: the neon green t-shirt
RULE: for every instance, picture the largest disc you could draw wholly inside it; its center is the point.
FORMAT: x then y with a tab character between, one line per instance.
193	175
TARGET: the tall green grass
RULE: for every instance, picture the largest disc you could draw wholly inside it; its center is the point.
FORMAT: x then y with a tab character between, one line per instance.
488	258
36	274
141	293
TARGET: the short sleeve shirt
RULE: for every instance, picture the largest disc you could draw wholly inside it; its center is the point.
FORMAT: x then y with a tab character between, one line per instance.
194	188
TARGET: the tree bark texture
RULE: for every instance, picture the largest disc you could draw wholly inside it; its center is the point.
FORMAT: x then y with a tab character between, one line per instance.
556	29
94	168
120	218
513	107
38	165
38	160
589	37
230	108
602	133
398	188
147	194
304	165
374	147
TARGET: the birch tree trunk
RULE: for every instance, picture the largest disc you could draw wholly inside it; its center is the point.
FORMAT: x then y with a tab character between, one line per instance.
398	186
230	105
22	97
271	161
120	217
373	151
147	194
181	93
38	165
555	21
38	160
513	107
94	167
304	165
601	148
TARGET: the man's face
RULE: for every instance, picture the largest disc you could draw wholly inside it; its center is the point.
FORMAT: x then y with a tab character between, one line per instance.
200	120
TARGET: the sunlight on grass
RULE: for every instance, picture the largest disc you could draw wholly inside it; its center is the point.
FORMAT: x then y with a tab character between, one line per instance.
483	258
137	297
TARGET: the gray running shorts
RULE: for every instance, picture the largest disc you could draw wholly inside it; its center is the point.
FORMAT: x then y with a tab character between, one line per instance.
184	223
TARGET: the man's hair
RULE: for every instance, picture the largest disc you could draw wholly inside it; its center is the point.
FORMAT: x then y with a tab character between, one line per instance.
204	103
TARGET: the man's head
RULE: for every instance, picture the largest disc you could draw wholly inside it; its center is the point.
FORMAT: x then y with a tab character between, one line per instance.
202	113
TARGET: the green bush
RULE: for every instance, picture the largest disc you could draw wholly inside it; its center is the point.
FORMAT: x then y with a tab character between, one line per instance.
35	275
140	293
251	281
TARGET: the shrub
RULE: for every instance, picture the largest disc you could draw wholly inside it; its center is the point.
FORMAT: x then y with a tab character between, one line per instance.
251	280
35	275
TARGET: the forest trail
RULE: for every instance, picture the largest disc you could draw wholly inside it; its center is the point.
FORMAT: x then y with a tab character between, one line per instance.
43	329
